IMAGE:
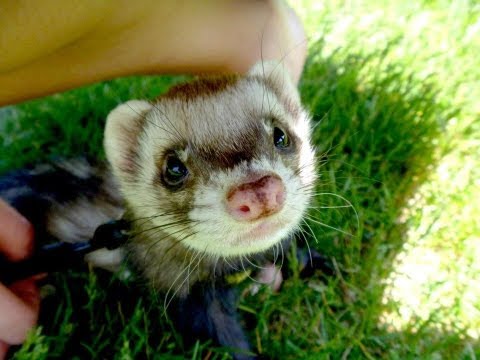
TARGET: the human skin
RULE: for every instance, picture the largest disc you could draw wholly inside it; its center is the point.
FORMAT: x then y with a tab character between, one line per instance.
57	45
19	303
49	46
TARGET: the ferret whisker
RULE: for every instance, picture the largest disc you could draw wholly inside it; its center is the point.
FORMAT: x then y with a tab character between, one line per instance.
217	258
156	207
329	226
312	233
156	231
151	216
312	219
191	257
171	235
275	254
319	121
345	200
329	207
185	280
144	118
155	243
177	134
316	163
247	273
154	279
305	238
147	219
254	265
229	264
264	85
306	189
202	206
164	226
175	241
179	241
185	269
298	173
283	254
135	111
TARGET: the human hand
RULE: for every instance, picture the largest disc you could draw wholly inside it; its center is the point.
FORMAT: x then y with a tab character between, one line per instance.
44	51
19	302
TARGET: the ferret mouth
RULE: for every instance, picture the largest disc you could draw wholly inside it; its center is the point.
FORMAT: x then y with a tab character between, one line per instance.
262	230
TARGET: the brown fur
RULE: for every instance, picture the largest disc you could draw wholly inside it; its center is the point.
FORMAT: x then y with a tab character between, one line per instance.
206	86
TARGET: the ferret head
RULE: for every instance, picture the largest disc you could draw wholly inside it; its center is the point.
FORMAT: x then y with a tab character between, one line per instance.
222	165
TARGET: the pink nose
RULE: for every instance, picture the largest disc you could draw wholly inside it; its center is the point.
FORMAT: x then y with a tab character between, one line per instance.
257	199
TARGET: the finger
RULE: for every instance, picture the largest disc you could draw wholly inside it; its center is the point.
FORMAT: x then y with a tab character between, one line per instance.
3	350
27	290
18	310
16	233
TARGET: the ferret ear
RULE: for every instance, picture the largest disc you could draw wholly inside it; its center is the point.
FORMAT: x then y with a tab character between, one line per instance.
276	75
123	127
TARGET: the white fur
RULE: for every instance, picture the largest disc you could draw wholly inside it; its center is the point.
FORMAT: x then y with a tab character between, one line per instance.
119	127
110	260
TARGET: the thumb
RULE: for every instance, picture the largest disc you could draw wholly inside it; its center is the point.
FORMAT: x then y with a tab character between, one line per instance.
28	291
22	300
16	233
3	350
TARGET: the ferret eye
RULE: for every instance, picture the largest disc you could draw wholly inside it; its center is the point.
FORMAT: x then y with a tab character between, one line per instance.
280	139
174	171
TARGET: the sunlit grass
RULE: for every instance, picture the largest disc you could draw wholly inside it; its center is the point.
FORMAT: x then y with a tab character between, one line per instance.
434	281
437	273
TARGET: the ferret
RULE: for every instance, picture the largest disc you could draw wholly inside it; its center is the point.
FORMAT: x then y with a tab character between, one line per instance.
213	176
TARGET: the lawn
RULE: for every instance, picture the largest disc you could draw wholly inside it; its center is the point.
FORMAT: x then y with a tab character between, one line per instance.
393	88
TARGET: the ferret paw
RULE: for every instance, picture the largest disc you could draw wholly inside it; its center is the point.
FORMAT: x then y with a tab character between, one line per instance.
269	275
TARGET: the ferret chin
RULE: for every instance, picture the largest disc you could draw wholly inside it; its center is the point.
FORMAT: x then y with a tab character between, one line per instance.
214	170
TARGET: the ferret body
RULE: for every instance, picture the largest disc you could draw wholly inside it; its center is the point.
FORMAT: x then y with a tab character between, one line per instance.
212	176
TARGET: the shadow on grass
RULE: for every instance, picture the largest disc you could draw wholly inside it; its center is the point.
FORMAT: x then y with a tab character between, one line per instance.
375	128
376	131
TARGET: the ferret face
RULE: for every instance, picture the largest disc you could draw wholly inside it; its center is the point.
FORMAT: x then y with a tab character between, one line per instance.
224	166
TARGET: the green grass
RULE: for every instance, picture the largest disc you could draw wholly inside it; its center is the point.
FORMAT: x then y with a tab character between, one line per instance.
393	90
